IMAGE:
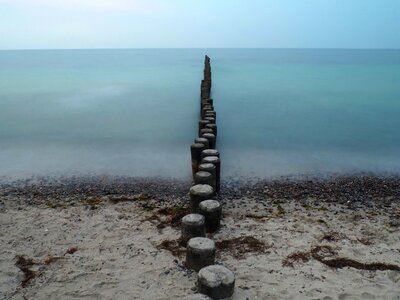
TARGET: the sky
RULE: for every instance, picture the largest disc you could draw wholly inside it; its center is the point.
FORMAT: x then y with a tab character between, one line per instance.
64	24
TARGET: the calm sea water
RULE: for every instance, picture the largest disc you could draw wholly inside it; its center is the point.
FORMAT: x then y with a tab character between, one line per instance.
135	112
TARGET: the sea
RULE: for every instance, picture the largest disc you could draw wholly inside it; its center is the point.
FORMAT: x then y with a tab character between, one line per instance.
135	112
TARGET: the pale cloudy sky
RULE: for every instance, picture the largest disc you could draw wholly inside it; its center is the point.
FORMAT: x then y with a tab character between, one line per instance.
194	23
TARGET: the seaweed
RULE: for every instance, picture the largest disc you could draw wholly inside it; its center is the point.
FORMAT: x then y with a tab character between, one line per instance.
71	250
240	246
321	254
281	211
24	264
55	205
92	201
173	215
237	247
296	257
256	217
332	236
124	198
176	247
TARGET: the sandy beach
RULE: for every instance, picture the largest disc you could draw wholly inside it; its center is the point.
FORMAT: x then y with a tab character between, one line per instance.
103	238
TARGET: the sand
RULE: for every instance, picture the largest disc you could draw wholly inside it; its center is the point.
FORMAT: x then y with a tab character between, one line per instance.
118	254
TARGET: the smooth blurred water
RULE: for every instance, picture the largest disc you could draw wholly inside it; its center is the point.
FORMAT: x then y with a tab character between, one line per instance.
135	112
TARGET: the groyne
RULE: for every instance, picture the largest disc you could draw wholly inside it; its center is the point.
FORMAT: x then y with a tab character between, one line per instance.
214	281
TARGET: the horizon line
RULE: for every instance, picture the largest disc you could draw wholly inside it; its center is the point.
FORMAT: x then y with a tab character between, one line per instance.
200	48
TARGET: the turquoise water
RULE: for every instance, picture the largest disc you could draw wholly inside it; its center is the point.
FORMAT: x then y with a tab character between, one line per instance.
135	112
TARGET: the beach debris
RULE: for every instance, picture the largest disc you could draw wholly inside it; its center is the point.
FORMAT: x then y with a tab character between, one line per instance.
71	250
281	211
323	253
53	205
124	198
49	259
148	206
92	201
24	264
169	216
239	247
256	216
176	247
296	257
332	236
174	214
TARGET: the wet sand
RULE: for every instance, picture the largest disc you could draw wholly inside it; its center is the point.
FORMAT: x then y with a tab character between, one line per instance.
116	238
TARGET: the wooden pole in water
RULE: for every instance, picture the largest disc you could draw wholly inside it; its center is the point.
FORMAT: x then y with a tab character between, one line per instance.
213	127
209	152
211	139
203	177
206	130
195	151
215	160
203	141
212	169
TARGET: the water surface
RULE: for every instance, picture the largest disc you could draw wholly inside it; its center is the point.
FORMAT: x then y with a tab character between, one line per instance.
135	112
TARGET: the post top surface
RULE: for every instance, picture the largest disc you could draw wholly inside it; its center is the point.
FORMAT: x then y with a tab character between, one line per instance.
209	205
215	275
201	190
201	243
211	159
206	166
193	219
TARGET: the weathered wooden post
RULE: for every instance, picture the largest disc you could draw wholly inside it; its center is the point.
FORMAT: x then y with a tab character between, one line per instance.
193	225
203	177
203	141
217	162
212	169
216	281
210	119
211	139
209	152
195	151
212	212
200	253
206	130
205	109
198	193
203	124
213	127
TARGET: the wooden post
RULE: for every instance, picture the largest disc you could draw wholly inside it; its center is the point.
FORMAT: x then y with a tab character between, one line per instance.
195	150
198	193
217	162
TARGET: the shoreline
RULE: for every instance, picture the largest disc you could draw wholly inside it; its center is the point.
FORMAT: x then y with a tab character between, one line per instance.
345	189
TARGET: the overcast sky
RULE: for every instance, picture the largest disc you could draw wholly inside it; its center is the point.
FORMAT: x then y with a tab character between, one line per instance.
199	24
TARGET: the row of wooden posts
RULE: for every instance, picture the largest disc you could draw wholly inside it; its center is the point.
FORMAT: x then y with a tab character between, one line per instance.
214	281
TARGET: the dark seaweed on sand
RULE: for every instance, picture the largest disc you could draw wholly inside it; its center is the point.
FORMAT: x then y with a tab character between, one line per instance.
321	254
